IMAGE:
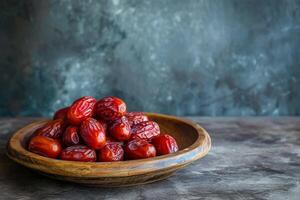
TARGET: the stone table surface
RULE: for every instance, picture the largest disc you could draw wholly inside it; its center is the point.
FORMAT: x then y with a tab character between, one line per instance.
251	158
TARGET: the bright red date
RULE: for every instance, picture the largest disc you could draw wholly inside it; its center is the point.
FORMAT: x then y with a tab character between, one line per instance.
44	146
53	129
70	136
111	152
81	109
79	153
110	108
92	133
136	117
138	149
145	130
120	129
164	144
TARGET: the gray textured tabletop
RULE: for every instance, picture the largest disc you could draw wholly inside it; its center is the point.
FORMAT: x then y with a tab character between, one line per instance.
251	158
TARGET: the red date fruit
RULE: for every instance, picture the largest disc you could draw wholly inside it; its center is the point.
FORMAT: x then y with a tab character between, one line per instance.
111	152
104	125
111	140
136	117
70	136
44	146
53	129
164	144
79	153
145	130
61	113
81	109
138	149
110	108
92	133
120	129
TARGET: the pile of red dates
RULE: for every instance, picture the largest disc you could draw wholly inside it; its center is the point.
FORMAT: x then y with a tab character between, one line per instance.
91	130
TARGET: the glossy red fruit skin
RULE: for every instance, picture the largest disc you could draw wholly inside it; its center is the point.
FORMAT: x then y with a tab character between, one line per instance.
110	108
136	117
104	125
111	140
164	144
145	130
138	149
92	133
61	113
81	109
45	146
111	152
79	153
120	129
53	129
71	136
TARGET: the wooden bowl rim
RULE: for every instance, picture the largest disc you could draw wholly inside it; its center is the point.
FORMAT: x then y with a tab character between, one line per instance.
197	150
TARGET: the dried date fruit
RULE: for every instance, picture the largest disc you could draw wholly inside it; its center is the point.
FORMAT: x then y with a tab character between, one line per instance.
138	149
53	129
136	117
110	140
145	130
111	152
70	136
44	146
79	153
81	109
61	113
110	108
104	125
92	133
120	129
164	144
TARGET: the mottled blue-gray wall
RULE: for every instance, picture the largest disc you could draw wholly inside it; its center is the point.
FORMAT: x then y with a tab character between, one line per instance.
182	57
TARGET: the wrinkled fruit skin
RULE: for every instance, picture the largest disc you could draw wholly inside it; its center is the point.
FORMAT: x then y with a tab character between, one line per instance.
53	129
70	136
145	130
92	133
104	125
138	149
164	144
61	113
110	108
111	152
81	109
45	146
120	129
136	117
79	153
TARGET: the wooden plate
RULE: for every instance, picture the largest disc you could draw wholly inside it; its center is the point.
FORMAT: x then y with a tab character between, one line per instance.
193	141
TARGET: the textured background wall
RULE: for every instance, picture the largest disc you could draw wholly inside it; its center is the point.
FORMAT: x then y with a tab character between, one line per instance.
192	57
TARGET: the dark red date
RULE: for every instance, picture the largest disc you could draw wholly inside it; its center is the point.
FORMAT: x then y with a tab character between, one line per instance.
145	130
120	129
79	153
110	108
111	152
164	144
138	149
70	136
81	109
53	129
92	133
44	146
61	113
136	117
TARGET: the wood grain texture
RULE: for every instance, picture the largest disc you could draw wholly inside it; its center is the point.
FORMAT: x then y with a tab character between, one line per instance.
193	141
